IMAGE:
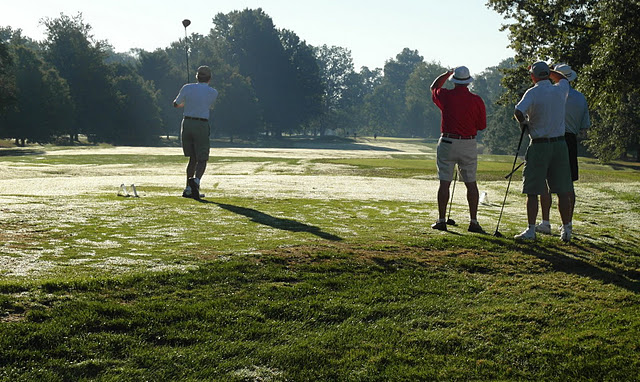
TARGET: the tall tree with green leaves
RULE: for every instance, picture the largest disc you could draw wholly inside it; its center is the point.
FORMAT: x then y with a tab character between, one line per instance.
360	86
502	133
137	119
254	47
600	39
278	64
80	60
422	115
387	105
43	107
167	79
7	82
236	112
336	70
307	88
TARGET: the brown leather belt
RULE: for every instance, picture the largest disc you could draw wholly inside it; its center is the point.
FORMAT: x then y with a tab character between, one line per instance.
197	119
456	136
547	140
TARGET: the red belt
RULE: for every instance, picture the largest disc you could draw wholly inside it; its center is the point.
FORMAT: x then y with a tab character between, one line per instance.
456	136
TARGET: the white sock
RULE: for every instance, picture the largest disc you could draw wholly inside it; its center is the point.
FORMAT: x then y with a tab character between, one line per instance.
441	220
546	222
566	226
532	227
474	221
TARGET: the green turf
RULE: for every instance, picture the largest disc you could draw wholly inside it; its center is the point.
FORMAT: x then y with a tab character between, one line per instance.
163	288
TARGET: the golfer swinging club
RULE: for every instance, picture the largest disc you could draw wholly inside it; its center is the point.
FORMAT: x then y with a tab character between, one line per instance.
463	115
196	99
542	112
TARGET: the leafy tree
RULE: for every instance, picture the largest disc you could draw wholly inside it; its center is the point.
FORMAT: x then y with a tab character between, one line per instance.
15	37
307	88
600	39
502	134
138	115
7	81
383	108
81	62
250	42
43	105
157	68
236	111
386	106
360	86
612	81
336	70
422	115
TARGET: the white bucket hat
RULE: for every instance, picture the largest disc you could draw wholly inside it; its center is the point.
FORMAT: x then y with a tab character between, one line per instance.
567	71
461	76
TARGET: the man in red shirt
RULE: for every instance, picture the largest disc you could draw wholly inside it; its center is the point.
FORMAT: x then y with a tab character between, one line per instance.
463	115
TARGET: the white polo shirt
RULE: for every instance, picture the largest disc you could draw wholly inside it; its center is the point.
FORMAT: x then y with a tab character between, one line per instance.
577	112
544	107
198	99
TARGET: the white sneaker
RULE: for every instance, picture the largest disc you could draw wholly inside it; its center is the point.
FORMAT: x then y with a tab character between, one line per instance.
527	234
544	228
565	233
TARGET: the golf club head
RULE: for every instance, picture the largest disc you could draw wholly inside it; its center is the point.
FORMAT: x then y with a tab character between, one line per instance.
498	234
451	222
186	22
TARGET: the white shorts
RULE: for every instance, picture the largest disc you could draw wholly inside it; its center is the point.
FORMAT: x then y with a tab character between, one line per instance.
463	152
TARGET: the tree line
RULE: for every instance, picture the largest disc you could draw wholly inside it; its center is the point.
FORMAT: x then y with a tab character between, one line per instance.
600	39
271	83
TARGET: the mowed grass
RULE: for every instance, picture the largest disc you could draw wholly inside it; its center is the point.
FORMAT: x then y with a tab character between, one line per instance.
163	288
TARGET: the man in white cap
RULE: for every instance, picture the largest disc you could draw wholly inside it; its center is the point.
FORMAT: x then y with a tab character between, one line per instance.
541	112
463	115
576	120
196	99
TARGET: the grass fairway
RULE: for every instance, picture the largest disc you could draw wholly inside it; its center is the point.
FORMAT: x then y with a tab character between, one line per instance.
306	264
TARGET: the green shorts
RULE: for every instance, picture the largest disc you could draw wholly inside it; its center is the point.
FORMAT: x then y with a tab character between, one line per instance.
572	145
547	164
195	139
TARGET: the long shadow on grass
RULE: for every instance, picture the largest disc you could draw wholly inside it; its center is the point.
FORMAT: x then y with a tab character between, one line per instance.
575	265
20	152
275	222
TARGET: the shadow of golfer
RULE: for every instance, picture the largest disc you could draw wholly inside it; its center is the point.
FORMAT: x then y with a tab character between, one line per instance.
275	222
575	264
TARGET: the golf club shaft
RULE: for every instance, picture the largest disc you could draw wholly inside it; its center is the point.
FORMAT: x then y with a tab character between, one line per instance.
453	191
515	159
186	51
514	170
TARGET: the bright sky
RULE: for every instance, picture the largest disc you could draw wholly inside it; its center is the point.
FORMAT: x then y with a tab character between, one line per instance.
453	32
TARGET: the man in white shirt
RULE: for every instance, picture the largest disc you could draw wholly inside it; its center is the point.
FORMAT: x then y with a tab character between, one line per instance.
576	120
542	112
196	99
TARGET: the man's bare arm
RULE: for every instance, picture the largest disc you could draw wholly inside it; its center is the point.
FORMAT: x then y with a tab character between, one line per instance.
438	82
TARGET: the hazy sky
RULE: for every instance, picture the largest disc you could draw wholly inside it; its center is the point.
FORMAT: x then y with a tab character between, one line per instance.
453	32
